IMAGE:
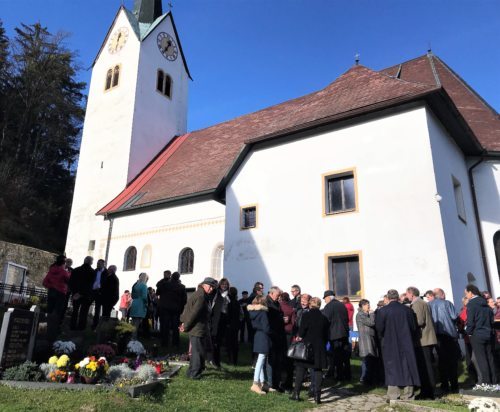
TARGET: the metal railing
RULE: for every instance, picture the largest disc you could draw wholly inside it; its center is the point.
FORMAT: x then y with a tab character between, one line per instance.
17	294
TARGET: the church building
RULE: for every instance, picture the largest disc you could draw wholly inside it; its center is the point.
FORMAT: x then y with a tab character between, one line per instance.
382	179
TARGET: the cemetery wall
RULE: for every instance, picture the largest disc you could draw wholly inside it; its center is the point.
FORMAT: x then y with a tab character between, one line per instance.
36	260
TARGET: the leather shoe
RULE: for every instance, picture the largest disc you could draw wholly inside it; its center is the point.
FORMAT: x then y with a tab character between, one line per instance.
317	398
295	396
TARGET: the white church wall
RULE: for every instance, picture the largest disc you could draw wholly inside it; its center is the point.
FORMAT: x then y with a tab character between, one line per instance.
105	146
487	184
462	241
157	118
199	226
397	228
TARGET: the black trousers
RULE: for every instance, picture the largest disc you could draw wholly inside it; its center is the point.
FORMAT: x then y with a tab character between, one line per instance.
425	371
288	365
232	344
485	361
197	360
316	377
339	362
276	360
80	312
98	304
448	358
169	326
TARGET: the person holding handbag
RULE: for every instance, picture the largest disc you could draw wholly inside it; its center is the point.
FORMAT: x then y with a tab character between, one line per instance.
313	330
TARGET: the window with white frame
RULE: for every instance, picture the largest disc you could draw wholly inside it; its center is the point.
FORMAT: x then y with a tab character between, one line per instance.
112	77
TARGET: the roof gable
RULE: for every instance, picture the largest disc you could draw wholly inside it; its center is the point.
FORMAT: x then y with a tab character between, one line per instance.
205	157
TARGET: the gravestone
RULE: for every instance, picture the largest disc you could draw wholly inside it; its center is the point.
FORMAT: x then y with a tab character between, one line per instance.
17	336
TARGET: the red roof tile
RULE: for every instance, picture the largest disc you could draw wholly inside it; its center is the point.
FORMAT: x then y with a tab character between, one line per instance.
481	118
205	157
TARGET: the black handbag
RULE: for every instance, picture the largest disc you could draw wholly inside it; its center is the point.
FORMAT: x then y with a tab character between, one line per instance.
301	351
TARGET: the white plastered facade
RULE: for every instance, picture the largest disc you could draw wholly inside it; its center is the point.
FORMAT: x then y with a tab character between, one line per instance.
124	128
400	230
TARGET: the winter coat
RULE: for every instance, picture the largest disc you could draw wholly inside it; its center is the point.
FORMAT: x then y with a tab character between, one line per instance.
350	313
57	278
196	313
336	313
277	324
125	301
172	296
479	319
82	280
366	328
290	313
395	324
426	333
234	314
215	315
110	288
139	307
314	329
260	324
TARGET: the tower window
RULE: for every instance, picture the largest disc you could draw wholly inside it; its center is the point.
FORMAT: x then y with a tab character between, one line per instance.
112	78
248	217
164	84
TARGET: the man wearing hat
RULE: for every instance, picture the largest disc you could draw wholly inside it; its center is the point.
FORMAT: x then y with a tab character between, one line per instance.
336	313
194	320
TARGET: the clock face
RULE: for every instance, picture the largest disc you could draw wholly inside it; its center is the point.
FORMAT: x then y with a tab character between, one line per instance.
167	46
118	40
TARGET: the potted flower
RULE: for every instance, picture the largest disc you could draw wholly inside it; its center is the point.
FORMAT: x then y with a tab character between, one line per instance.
92	369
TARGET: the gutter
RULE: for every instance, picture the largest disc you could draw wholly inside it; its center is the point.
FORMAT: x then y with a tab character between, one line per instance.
478	221
108	242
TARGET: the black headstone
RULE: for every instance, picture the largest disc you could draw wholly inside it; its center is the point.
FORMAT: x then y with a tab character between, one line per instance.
17	336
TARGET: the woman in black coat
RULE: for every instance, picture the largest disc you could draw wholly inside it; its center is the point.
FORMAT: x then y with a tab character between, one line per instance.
313	330
258	313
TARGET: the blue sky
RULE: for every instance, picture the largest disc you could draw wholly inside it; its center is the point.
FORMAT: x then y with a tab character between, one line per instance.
245	55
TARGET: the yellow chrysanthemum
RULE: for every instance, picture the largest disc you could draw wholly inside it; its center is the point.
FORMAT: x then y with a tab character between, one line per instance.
77	366
53	360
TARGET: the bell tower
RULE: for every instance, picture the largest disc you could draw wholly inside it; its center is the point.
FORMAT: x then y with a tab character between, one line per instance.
137	103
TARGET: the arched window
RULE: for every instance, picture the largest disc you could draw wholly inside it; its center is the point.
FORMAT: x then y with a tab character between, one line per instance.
186	261
159	81
218	261
130	258
164	83
167	86
116	76
109	76
146	257
496	243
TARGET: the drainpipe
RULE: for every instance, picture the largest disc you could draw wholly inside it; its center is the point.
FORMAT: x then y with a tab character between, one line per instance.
478	223
108	243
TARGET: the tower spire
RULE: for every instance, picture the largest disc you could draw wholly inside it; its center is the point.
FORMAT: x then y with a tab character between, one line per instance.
147	11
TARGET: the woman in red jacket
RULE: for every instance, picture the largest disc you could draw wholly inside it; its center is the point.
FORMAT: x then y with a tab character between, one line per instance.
56	281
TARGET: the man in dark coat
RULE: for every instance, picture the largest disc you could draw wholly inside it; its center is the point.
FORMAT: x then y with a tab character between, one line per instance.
194	320
171	300
81	283
336	313
479	328
278	337
100	273
395	324
295	301
110	291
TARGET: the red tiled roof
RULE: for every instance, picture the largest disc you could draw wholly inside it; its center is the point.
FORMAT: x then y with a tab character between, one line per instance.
481	118
202	159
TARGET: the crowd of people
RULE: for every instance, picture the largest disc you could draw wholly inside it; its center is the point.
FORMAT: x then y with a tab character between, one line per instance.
400	342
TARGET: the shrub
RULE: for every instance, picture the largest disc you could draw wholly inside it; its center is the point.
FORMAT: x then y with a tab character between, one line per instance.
102	350
124	329
146	373
120	372
47	369
27	371
63	347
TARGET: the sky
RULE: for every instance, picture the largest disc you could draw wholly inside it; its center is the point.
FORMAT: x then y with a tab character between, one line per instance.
245	55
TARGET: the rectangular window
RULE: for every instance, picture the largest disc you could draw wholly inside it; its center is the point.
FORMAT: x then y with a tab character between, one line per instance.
248	217
459	198
340	192
344	275
91	244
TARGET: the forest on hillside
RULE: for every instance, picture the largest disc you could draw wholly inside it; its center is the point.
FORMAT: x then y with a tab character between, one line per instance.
41	116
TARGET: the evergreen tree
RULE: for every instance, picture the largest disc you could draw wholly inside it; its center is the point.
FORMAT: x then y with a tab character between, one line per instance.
41	125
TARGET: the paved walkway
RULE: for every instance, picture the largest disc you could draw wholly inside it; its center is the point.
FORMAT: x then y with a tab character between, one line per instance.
344	400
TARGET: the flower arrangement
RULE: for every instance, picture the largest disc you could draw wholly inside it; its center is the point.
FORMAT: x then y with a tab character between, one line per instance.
63	347
92	368
122	375
160	366
57	368
136	347
481	404
47	369
102	350
58	376
120	372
